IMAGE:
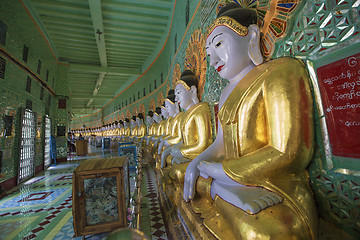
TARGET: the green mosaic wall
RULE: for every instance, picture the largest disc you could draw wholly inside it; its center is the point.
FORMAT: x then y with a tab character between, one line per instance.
21	32
319	32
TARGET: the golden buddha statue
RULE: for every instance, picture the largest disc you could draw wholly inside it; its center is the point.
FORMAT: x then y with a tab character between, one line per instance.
159	144
142	130
134	128
127	130
121	129
173	109
196	132
152	130
149	125
258	186
158	127
162	128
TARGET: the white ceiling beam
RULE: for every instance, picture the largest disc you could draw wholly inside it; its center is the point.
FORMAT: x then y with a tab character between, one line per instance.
97	20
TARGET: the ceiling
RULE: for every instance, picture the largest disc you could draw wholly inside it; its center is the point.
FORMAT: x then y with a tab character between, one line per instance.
105	41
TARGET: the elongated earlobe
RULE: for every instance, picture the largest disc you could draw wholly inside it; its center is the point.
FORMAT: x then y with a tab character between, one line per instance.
194	97
254	45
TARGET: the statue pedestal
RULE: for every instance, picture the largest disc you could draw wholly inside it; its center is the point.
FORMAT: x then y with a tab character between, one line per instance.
184	223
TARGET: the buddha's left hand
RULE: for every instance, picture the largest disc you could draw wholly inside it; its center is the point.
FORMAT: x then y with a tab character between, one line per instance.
176	152
191	175
213	170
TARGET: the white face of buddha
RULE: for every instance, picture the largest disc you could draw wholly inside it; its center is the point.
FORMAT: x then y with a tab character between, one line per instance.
157	117
228	52
138	122
164	112
171	108
183	96
149	120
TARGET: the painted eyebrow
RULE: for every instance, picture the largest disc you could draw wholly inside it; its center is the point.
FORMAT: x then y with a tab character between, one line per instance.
212	41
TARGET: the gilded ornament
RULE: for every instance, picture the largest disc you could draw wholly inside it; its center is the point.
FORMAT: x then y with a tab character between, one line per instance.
230	23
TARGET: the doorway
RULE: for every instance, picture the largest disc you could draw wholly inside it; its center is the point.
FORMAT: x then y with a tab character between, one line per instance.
27	148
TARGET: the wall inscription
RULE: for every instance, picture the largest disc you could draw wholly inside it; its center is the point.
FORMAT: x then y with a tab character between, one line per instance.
340	92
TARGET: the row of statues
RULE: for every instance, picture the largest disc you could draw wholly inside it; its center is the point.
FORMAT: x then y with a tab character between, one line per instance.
250	182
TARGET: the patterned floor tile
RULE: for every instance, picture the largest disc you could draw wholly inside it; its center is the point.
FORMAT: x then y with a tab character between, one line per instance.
41	208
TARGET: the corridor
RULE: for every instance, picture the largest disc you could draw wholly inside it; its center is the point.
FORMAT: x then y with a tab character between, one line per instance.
41	208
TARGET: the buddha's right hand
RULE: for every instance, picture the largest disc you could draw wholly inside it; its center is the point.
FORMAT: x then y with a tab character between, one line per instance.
191	175
164	155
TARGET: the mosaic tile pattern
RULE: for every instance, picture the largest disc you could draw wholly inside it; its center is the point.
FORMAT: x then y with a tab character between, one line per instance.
157	225
41	208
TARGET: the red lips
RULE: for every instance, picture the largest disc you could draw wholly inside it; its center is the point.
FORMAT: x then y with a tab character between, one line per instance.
219	68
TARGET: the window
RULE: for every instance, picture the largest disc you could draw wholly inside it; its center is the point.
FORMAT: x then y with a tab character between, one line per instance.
175	43
27	150
155	85
47	157
39	67
28	104
47	75
2	67
3	31
42	93
144	92
62	103
162	78
150	87
25	53
187	11
28	84
138	95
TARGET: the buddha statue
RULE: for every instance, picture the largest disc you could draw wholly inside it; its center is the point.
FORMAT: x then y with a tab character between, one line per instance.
196	132
141	126
173	109
165	126
158	127
151	126
127	130
134	128
121	128
258	186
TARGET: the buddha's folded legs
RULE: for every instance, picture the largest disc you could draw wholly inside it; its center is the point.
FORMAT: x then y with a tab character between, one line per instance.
225	220
178	170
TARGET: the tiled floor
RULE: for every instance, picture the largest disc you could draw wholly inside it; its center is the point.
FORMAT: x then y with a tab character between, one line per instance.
41	208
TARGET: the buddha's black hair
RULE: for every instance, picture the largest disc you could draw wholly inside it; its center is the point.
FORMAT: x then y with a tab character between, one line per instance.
189	78
244	16
158	110
171	95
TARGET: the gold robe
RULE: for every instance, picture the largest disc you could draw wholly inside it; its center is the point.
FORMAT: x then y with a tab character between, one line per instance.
142	131
267	123
196	130
134	131
176	129
168	127
127	132
196	135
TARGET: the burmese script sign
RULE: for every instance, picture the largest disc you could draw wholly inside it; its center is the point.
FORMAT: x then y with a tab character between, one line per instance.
340	92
